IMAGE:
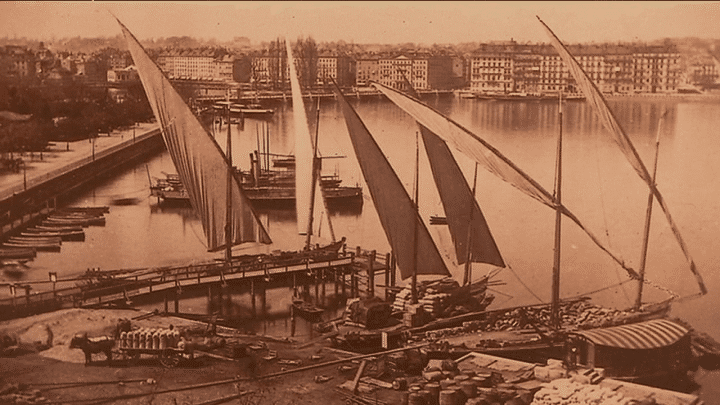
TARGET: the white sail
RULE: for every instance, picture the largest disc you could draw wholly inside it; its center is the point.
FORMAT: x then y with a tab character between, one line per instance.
200	162
615	130
487	156
304	151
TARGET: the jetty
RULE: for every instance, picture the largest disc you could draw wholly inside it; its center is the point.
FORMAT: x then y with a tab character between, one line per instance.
348	272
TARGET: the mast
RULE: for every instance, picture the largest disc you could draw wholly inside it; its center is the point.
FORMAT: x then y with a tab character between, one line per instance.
315	170
413	286
468	262
228	202
648	214
555	303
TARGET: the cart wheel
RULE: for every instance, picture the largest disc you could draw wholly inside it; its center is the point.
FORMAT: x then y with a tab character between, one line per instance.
169	358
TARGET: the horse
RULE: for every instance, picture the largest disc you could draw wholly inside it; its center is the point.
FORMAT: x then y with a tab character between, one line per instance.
88	346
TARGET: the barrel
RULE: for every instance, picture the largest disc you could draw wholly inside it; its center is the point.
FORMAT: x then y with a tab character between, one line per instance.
460	378
460	396
444	384
156	340
427	396
468	372
415	398
136	339
447	397
469	388
434	390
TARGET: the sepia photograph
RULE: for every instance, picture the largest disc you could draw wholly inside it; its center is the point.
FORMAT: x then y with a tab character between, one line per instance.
312	203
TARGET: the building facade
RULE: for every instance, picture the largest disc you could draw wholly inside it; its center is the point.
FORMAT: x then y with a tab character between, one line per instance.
621	69
207	64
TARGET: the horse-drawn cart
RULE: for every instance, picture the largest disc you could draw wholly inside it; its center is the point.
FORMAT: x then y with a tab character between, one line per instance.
166	345
169	357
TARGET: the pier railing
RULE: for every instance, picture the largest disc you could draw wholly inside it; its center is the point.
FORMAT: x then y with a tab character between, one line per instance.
121	285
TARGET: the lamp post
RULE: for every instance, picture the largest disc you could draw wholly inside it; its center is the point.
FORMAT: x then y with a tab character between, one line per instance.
13	292
53	278
93	148
24	176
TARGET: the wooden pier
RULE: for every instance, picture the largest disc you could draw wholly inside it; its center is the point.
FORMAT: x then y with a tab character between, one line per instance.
348	272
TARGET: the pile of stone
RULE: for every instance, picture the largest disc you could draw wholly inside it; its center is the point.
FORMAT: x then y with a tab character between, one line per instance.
444	383
570	391
576	315
20	394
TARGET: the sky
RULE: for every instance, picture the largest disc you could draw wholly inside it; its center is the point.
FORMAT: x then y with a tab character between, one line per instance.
365	22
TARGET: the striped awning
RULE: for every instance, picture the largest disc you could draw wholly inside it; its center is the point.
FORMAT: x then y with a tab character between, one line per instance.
644	335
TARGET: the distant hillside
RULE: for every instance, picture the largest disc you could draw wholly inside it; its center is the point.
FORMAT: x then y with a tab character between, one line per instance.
91	45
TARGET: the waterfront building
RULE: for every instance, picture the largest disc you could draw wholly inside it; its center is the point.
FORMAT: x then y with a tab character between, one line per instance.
424	70
618	70
655	69
526	69
702	70
339	67
367	69
512	67
197	64
491	68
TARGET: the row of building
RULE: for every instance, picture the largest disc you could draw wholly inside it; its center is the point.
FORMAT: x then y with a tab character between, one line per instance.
498	67
495	67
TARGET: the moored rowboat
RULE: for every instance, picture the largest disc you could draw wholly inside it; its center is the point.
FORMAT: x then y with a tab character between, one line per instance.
52	247
23	253
64	235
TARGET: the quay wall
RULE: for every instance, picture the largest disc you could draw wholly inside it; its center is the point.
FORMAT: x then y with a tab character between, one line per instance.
59	184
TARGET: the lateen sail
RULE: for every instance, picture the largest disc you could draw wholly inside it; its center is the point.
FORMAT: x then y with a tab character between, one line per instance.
200	162
606	116
462	210
304	152
396	210
486	155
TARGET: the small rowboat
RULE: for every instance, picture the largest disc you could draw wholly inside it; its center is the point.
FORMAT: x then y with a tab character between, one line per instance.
33	239
59	228
23	253
70	221
50	247
64	235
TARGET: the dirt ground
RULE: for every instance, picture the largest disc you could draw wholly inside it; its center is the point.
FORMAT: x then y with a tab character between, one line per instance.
58	374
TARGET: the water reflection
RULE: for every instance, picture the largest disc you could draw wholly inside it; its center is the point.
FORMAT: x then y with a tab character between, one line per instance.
600	187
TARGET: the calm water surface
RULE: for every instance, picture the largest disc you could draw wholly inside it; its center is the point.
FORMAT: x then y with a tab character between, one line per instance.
598	185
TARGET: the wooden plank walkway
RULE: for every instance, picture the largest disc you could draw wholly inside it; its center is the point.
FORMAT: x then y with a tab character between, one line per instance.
143	282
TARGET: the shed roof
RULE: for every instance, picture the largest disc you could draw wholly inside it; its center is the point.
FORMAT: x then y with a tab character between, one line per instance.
644	335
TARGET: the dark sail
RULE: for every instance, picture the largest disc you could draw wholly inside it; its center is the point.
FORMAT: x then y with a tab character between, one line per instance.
394	206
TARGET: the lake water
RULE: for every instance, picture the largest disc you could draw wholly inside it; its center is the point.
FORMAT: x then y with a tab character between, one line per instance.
599	186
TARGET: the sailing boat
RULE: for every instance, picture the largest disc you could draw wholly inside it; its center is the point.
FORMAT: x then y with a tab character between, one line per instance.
490	158
215	191
469	230
413	247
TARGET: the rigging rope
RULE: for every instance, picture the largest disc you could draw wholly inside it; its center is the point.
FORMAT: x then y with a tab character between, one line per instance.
522	283
604	213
